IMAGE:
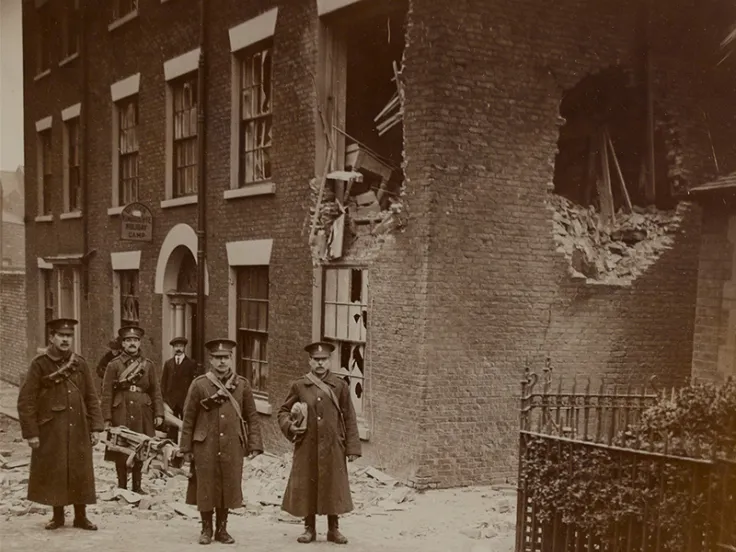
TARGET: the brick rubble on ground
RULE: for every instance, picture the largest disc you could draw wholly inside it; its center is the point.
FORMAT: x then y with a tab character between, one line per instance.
264	481
616	253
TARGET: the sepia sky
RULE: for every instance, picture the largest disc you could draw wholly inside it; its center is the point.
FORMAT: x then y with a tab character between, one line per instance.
11	85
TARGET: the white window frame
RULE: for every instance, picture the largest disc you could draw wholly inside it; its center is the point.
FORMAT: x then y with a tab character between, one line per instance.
242	254
42	126
76	298
69	115
122	261
122	19
120	91
260	29
174	69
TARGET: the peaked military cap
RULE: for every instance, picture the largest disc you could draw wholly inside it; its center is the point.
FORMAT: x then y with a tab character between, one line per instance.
320	349
179	339
131	331
61	324
220	347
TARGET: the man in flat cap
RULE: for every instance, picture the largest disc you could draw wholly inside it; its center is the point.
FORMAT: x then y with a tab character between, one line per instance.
131	397
178	374
221	426
59	413
318	483
114	348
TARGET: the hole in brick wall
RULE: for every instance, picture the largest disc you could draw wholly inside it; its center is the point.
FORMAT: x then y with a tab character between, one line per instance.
362	202
608	219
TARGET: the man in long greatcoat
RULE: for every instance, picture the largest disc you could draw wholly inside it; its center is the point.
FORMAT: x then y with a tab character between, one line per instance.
131	397
318	483
221	426
59	413
178	374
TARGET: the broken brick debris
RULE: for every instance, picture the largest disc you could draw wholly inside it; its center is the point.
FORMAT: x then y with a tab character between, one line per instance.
611	253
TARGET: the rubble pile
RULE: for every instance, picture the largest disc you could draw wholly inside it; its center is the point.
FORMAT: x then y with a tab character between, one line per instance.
264	481
615	253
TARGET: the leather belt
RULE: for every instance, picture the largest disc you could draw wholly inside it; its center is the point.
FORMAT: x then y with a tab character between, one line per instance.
135	389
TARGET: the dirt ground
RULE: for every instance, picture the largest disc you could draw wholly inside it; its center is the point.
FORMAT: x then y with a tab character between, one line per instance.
388	517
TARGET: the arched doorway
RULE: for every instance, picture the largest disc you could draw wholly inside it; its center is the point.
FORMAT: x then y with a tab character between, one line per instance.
182	300
176	282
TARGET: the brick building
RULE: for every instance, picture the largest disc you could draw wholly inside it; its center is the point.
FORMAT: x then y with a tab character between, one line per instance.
446	275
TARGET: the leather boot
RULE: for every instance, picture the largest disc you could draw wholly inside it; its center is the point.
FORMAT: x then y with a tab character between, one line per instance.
333	533
57	520
206	536
137	478
221	534
122	471
309	534
80	518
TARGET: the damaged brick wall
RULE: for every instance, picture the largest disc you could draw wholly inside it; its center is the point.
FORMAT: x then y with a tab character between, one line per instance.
485	125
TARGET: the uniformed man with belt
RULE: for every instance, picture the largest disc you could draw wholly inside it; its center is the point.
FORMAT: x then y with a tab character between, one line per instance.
220	427
59	414
131	397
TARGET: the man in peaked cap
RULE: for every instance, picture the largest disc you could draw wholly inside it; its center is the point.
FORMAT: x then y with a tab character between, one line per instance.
178	374
131	397
318	483
60	418
221	426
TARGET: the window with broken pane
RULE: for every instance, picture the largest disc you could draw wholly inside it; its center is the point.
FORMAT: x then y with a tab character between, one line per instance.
47	183
185	136
128	150
345	323
256	88
121	8
252	323
72	165
129	301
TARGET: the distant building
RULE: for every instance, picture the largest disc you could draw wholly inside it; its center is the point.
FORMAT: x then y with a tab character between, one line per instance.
444	279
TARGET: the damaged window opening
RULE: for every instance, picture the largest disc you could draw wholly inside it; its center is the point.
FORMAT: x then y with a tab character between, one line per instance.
345	323
612	220
363	106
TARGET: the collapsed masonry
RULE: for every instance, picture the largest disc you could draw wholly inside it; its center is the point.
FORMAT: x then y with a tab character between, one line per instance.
357	199
614	210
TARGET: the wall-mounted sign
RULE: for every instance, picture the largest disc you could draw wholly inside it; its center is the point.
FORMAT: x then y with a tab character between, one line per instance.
136	223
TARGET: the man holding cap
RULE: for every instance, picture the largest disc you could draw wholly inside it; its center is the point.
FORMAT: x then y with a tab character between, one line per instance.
318	483
59	414
131	397
177	376
221	426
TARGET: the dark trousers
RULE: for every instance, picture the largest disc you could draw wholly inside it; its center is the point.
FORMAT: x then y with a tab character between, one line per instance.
122	471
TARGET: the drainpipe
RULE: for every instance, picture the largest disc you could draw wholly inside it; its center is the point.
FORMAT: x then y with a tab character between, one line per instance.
201	188
84	149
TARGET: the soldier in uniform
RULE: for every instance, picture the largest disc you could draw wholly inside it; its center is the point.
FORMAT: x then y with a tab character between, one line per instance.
131	397
220	427
177	376
60	417
318	483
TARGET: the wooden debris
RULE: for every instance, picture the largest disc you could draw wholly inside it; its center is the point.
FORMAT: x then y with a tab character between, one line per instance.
605	194
627	199
346	176
186	510
128	496
17	463
379	476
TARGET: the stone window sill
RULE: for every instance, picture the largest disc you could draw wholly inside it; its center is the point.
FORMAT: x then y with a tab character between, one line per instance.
123	20
44	218
71	215
113	211
263	406
41	75
68	59
261	188
179	201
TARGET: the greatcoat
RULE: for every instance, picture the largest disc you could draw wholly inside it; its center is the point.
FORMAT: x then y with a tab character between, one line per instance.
216	439
318	483
62	415
135	410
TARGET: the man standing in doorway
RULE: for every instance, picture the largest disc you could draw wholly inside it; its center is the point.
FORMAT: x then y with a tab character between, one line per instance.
318	483
177	376
221	426
131	397
59	414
